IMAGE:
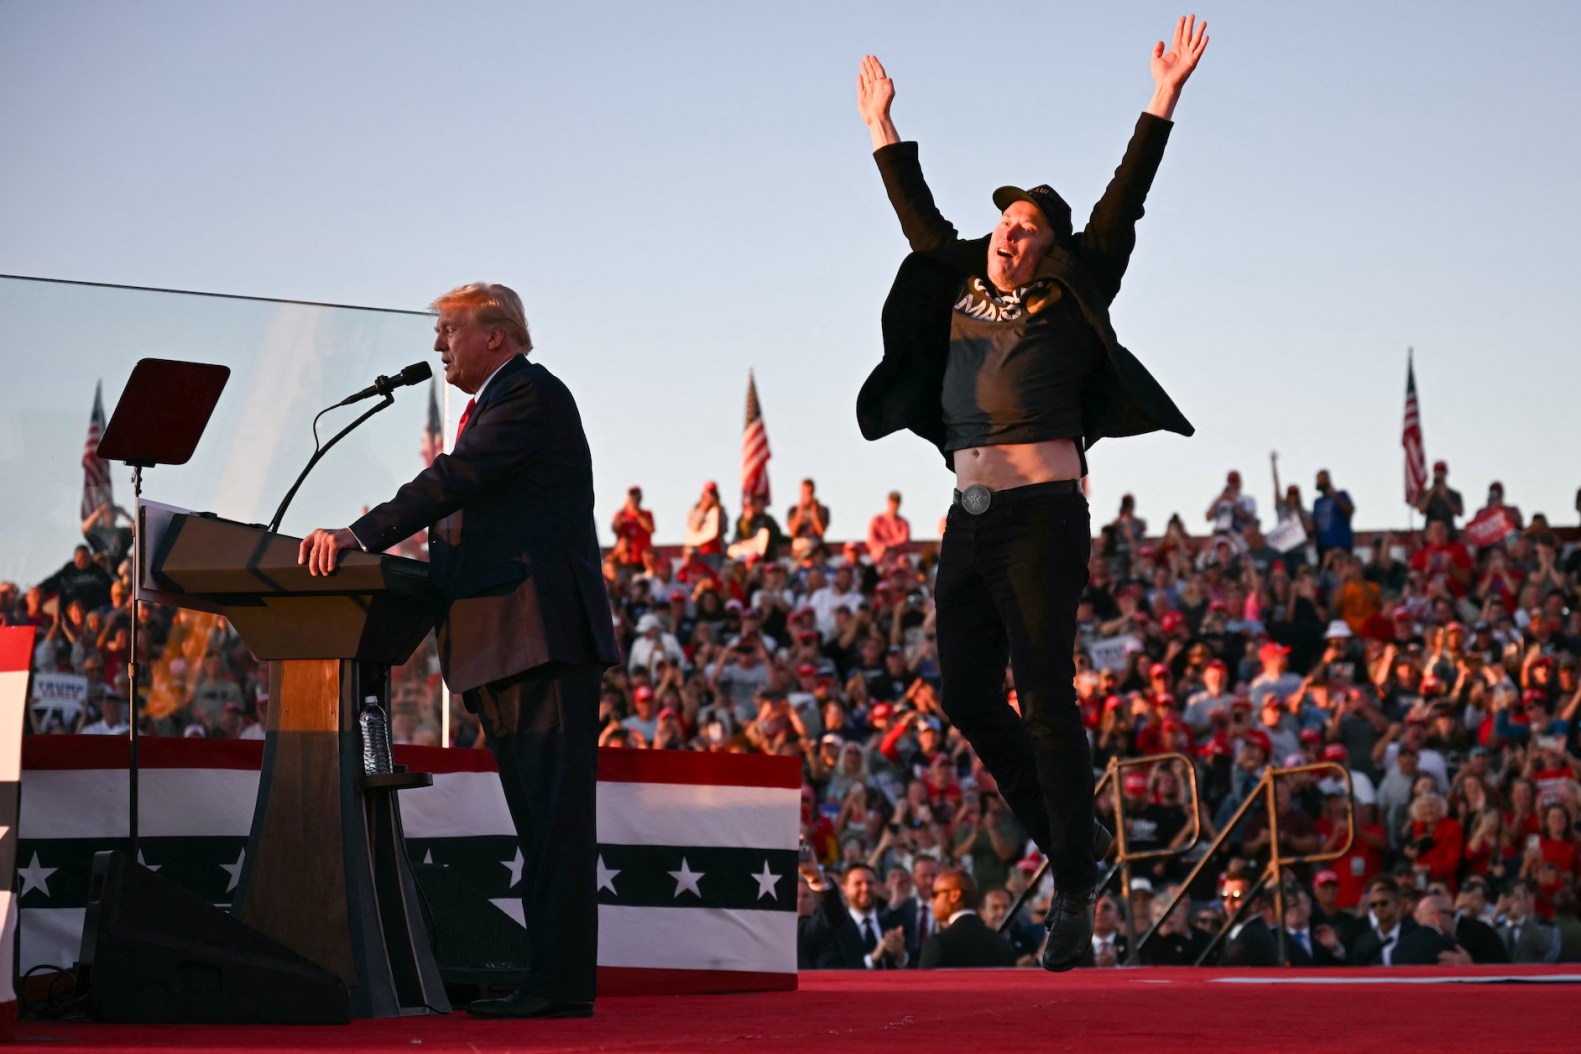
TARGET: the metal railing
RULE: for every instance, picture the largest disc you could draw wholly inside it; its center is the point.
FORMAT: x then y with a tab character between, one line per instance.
1123	856
1263	791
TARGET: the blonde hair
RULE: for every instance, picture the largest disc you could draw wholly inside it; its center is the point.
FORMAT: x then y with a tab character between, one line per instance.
492	305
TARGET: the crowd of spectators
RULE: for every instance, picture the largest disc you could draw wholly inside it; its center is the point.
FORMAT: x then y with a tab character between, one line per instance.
1440	675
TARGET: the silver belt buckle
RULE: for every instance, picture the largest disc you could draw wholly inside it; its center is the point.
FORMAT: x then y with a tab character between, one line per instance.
976	499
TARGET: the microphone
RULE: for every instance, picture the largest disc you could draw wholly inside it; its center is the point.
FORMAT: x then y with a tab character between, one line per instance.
417	371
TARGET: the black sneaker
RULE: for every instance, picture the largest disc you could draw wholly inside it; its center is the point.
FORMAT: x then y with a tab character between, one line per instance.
1070	931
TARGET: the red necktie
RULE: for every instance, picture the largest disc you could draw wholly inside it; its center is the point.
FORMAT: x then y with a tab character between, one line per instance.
462	427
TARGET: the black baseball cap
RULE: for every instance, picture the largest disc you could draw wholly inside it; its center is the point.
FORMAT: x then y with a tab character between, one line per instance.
1045	199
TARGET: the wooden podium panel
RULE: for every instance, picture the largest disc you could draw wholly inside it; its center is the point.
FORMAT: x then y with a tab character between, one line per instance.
325	871
297	839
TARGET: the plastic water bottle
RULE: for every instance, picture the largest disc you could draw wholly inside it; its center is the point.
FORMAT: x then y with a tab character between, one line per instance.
375	725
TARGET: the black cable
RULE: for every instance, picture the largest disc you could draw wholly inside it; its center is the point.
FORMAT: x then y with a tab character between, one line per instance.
60	999
319	452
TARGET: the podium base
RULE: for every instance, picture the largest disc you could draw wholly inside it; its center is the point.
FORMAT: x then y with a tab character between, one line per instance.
152	951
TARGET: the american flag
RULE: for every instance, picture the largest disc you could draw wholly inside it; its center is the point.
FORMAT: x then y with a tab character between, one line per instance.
754	448
1411	439
96	488
433	430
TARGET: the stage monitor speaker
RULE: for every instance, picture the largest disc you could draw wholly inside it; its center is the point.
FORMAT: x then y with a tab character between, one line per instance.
474	942
153	951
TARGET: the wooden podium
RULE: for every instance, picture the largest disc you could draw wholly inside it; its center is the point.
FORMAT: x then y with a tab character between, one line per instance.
326	872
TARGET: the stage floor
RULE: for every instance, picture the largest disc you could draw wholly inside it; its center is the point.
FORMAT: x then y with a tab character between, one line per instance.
1156	1010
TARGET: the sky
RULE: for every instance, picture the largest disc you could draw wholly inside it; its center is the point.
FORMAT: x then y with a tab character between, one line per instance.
684	192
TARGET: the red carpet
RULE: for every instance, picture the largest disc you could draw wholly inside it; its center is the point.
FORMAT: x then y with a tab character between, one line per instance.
1157	1011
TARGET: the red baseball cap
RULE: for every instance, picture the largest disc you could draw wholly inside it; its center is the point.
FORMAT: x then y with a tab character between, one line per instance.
1113	702
881	712
1158	669
1336	752
1272	650
643	692
1311	735
1325	878
1135	783
1172	620
1258	738
806	669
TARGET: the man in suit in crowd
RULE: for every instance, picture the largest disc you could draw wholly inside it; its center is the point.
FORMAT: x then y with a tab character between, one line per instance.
914	912
962	938
1109	945
1174	942
1251	941
526	633
1526	936
1432	943
1376	944
1470	931
1306	943
850	930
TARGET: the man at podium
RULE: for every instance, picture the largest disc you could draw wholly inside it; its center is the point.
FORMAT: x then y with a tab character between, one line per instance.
527	630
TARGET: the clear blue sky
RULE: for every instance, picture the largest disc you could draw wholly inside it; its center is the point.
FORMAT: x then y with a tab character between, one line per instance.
683	191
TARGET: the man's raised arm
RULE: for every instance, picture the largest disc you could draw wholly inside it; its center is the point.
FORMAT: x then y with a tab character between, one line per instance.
1172	67
920	220
874	92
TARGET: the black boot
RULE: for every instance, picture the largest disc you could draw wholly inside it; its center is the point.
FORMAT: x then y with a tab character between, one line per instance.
1070	931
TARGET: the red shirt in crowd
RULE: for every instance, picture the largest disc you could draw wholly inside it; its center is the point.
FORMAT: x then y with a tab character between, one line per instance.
635	525
1356	867
1437	560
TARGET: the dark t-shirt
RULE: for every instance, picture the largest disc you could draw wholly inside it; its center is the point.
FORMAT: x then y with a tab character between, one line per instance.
1018	367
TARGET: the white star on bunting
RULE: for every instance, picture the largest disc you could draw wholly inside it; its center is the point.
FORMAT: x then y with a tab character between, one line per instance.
234	870
35	876
686	879
606	877
514	866
766	883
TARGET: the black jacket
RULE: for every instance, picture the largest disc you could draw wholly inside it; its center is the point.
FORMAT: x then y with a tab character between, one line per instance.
1421	947
1174	949
512	544
1367	948
1481	941
833	938
1296	955
904	390
1254	945
966	942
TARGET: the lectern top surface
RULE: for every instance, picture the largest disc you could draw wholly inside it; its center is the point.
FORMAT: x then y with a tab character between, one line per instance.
205	555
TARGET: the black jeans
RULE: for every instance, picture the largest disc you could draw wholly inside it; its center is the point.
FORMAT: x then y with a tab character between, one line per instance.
541	727
1008	584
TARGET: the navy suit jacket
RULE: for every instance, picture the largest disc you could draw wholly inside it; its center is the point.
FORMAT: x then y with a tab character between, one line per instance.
512	543
966	942
833	938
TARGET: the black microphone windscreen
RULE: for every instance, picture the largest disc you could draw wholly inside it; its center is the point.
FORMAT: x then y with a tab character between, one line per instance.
417	371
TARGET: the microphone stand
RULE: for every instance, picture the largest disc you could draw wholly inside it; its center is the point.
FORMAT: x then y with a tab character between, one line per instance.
279	514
